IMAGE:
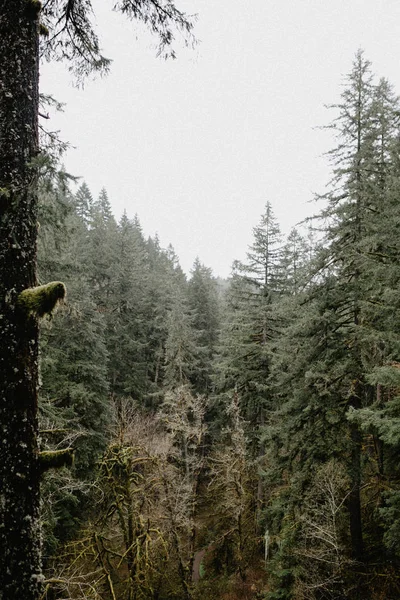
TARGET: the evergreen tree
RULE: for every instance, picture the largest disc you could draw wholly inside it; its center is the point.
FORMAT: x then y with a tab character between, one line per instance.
100	249
250	322
84	204
181	350
330	361
166	286
204	308
351	203
74	404
295	262
19	508
127	325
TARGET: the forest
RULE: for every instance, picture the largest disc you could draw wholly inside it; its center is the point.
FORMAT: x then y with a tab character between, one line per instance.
197	437
251	423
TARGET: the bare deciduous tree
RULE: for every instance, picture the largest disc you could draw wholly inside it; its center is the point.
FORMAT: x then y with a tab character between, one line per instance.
231	486
323	529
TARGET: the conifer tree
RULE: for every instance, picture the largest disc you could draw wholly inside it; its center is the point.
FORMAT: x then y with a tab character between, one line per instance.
126	315
181	350
351	204
84	203
295	257
250	321
74	403
340	336
203	305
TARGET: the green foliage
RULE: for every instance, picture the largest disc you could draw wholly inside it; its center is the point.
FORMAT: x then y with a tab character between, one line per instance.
385	423
251	324
302	436
72	36
4	193
334	370
204	308
390	515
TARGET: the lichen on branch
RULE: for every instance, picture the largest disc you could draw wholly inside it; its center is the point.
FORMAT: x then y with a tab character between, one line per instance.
42	300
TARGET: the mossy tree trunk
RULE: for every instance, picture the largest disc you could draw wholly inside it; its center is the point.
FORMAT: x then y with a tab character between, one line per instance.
19	472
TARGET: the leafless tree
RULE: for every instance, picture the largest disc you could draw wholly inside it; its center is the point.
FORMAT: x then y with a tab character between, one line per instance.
231	487
323	529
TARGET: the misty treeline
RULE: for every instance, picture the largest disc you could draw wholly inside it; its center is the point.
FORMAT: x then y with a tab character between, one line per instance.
232	439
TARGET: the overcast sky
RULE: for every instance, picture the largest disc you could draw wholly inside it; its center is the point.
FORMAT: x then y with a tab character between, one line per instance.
196	146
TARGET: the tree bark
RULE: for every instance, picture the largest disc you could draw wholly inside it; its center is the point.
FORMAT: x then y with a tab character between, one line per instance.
356	529
356	532
20	574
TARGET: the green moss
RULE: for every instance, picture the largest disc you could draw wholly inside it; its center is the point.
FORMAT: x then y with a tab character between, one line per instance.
4	193
41	300
55	459
202	570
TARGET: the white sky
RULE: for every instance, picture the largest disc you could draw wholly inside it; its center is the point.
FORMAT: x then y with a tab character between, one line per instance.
196	146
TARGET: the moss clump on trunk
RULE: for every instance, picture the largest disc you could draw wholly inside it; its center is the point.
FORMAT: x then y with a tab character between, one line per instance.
55	459
40	301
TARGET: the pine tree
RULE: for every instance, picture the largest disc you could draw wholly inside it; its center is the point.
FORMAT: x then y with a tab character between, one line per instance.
351	204
84	204
74	403
340	335
181	349
204	308
295	262
126	316
250	322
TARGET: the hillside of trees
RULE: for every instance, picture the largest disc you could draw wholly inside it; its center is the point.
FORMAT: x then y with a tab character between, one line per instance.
232	439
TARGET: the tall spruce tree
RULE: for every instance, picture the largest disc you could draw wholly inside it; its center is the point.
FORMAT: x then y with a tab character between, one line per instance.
334	360
203	305
295	262
126	314
84	203
350	204
250	322
181	349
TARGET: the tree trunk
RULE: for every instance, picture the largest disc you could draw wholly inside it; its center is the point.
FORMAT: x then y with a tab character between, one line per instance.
20	574
356	532
354	497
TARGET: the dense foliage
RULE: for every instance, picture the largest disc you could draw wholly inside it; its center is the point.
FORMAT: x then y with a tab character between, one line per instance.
237	440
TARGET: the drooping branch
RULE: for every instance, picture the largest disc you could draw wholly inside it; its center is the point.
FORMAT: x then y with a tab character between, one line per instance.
69	32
